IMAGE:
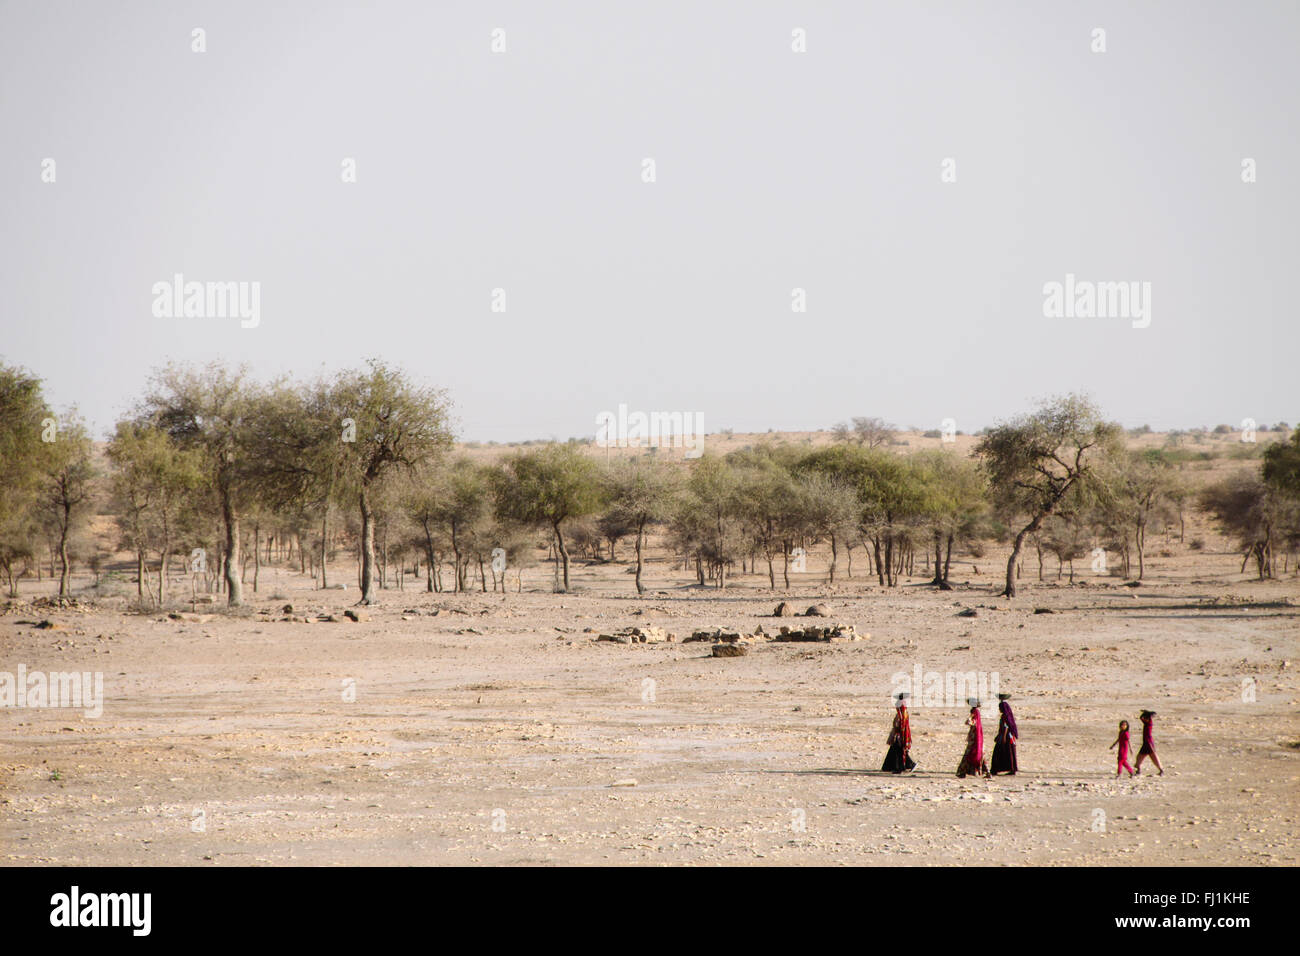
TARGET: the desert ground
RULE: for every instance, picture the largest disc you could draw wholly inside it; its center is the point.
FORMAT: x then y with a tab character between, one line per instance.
488	728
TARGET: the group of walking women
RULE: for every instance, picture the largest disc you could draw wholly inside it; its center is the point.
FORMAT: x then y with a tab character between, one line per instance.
899	759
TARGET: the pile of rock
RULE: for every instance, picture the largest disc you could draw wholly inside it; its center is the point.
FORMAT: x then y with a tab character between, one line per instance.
830	634
715	634
638	635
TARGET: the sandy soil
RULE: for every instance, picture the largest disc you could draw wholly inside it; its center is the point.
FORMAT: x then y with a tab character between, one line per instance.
498	729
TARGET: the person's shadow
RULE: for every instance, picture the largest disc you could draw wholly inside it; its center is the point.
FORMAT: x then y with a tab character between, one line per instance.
927	774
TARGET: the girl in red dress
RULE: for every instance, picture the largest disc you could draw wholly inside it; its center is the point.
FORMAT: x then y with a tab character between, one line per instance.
1122	741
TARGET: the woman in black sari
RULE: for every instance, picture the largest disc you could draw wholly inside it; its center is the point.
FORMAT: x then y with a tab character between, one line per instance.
1004	744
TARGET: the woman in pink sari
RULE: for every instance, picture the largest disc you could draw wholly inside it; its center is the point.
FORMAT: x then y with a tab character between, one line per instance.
973	760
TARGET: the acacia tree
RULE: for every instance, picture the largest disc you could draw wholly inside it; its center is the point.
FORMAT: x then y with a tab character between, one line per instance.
809	508
1033	462
712	509
547	487
302	443
1282	465
399	426
22	411
152	485
68	479
1253	512
765	498
457	500
819	504
1065	535
421	499
208	410
643	491
831	506
1137	485
1281	473
871	432
890	499
955	506
1179	493
845	467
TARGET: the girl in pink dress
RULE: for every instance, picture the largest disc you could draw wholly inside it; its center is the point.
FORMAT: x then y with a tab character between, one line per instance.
1122	741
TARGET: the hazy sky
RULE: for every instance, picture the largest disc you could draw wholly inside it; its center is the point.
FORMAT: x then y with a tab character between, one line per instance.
775	170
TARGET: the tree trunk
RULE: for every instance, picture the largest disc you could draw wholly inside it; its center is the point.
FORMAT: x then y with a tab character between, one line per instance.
640	539
324	544
367	549
428	557
162	571
63	552
1139	541
1031	528
564	554
458	580
230	560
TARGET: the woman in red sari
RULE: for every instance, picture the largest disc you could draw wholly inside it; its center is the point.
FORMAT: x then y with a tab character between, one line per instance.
898	760
1148	744
973	760
1004	744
